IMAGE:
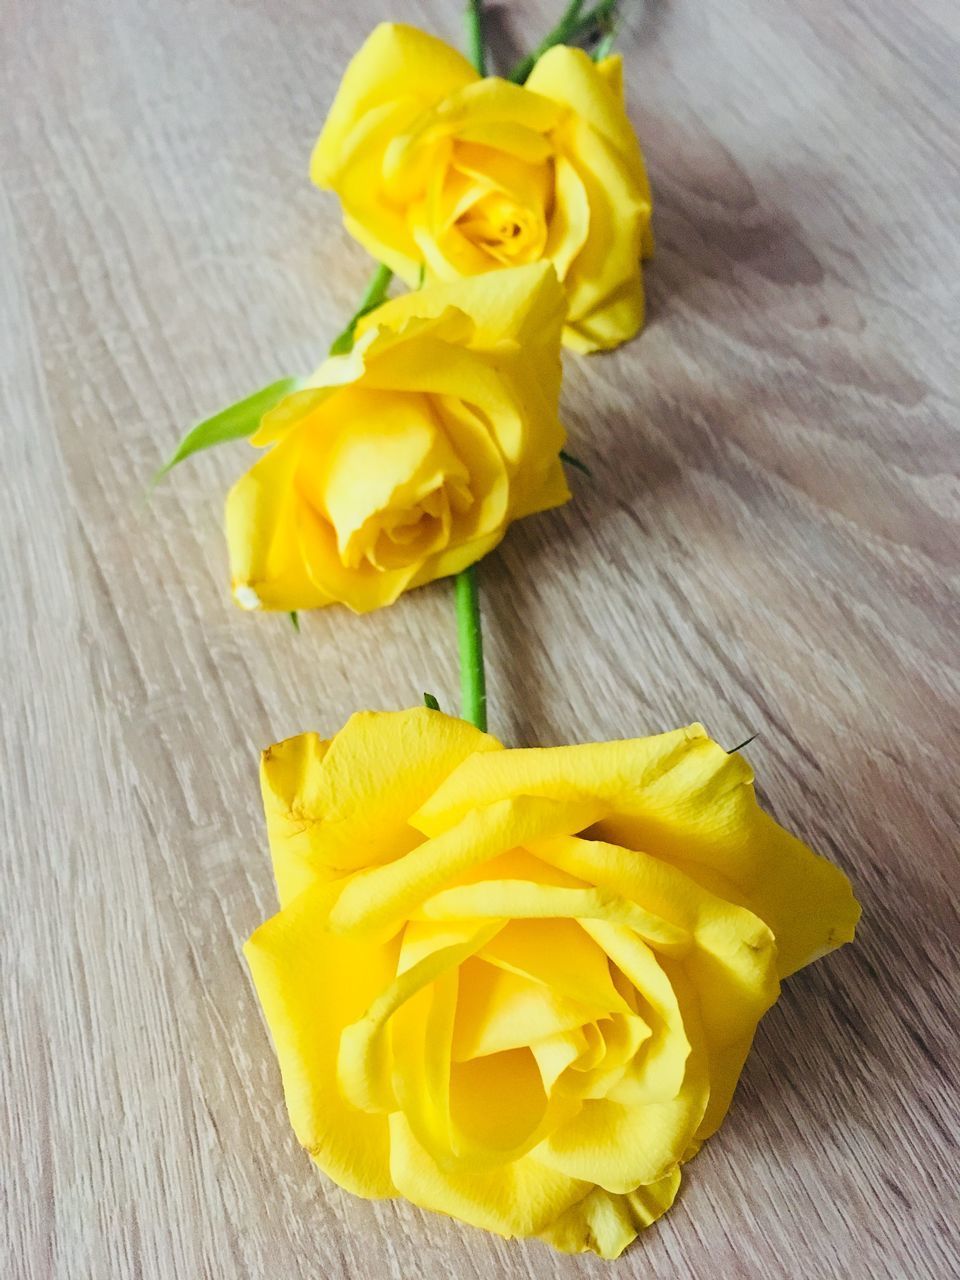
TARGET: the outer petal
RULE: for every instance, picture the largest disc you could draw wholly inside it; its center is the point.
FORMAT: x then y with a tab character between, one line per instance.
403	261
705	819
358	181
510	371
570	221
602	770
595	93
311	985
682	798
524	304
397	75
491	112
604	1223
544	488
611	71
395	62
379	900
262	521
604	282
529	900
334	807
309	401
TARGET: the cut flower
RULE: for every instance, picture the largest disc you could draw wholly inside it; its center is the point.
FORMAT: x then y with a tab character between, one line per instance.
406	459
519	986
439	169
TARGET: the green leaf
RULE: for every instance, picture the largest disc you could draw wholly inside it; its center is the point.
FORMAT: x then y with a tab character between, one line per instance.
235	423
295	621
430	701
740	745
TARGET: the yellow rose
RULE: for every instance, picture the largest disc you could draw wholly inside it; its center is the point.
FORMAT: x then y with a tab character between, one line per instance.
406	459
519	986
437	167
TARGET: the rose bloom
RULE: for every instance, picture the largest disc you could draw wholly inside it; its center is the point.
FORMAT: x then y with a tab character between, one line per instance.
519	986
406	459
438	168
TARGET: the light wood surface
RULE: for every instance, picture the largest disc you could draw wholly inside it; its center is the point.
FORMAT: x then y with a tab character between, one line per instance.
769	544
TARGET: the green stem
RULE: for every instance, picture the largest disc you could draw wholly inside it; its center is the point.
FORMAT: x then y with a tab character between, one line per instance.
473	682
374	294
572	25
476	48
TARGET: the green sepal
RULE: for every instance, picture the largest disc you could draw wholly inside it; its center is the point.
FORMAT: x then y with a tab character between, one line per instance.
571	461
234	423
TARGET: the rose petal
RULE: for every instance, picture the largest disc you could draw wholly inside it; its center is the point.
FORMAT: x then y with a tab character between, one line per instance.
606	1224
378	900
333	807
396	61
297	969
518	1199
262	523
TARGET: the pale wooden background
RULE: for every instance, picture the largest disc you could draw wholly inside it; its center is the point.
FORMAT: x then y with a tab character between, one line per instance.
769	543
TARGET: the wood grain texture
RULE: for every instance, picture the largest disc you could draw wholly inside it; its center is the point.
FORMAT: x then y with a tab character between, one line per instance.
769	544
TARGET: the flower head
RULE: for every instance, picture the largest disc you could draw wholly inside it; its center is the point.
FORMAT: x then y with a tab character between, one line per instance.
436	167
406	460
519	986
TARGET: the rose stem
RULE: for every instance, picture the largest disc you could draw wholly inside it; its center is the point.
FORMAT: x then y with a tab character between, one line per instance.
476	50
473	681
373	295
571	26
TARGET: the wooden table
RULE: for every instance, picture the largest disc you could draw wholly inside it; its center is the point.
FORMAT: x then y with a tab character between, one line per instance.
768	543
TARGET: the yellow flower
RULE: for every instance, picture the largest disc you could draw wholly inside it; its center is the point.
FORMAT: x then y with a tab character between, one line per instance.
519	986
435	166
406	459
